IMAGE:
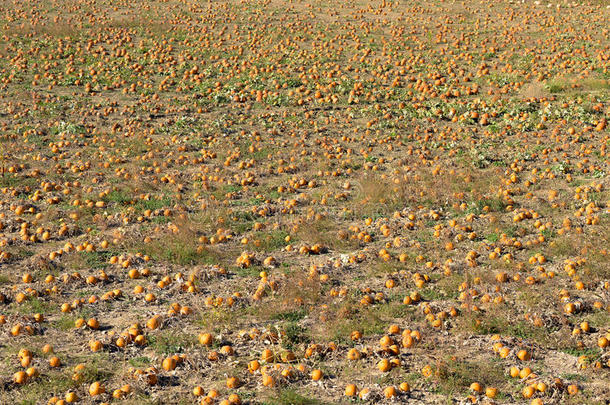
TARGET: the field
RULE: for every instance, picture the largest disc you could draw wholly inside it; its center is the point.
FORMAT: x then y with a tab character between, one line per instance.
304	202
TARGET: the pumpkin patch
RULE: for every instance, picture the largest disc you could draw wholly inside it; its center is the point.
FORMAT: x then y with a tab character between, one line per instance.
297	202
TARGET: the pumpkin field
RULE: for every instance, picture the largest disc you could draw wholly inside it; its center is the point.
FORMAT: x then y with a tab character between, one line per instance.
304	202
